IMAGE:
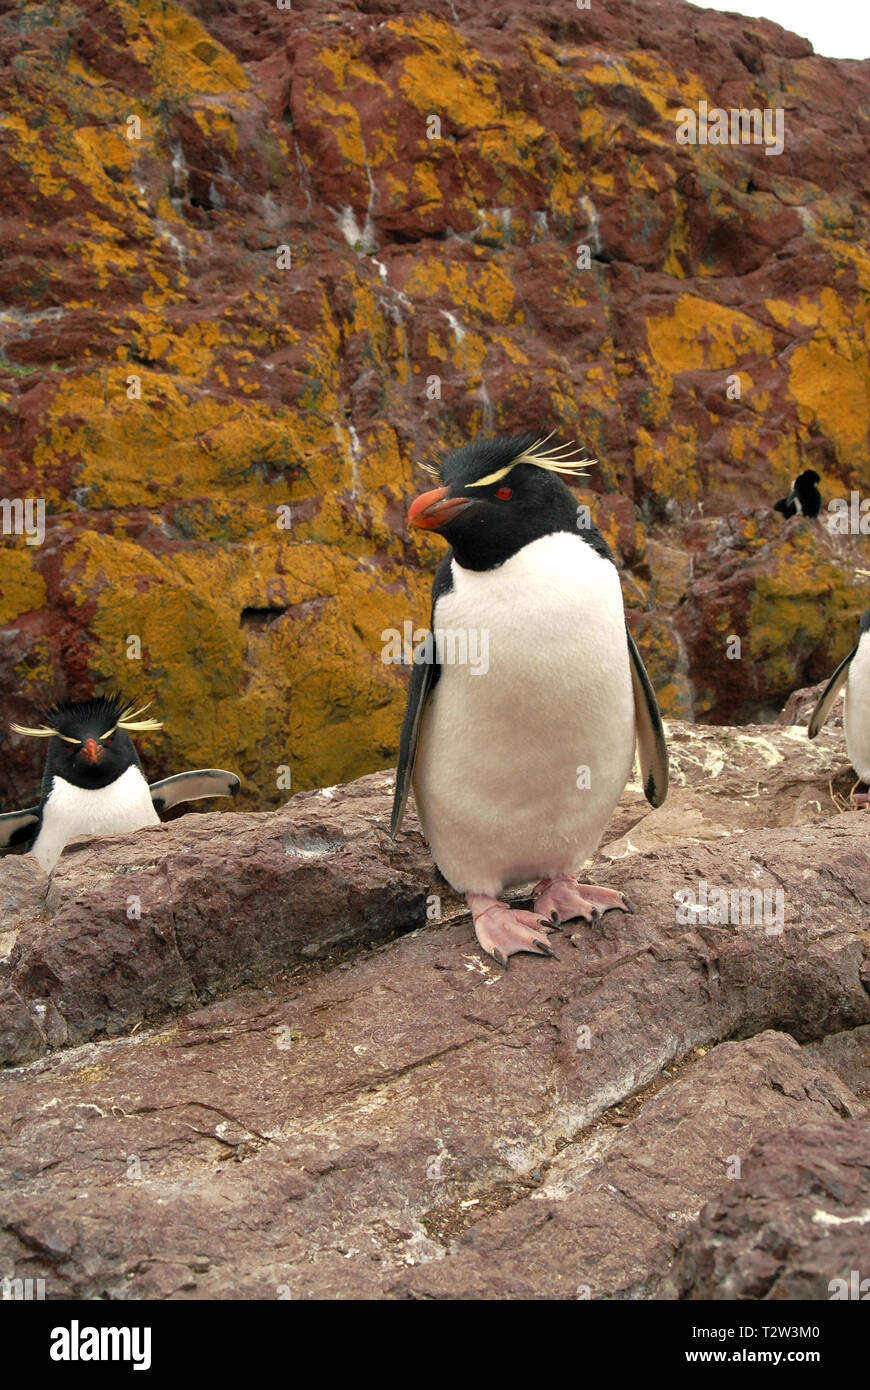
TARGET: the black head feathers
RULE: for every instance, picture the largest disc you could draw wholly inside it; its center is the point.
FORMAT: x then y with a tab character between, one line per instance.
68	719
489	459
501	494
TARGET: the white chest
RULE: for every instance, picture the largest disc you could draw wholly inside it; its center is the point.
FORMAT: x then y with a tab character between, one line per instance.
524	754
71	811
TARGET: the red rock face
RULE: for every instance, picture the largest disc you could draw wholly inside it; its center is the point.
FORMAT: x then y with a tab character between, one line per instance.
487	222
767	1236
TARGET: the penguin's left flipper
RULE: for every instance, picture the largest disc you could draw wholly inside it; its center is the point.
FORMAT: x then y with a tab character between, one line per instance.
424	677
419	690
16	827
193	786
651	746
829	695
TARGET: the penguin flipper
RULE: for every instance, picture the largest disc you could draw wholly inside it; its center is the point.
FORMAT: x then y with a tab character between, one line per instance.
651	746
829	695
424	676
419	690
193	786
16	827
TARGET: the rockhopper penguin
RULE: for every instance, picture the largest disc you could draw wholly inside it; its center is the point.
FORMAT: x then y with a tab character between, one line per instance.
517	769
93	783
854	673
804	497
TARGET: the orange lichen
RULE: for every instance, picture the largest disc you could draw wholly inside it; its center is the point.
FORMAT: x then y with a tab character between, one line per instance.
698	333
22	588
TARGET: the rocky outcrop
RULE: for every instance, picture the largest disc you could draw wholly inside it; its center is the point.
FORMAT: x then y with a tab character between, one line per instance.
727	780
763	613
297	1047
261	262
206	904
605	1219
796	1225
133	928
360	1160
849	1055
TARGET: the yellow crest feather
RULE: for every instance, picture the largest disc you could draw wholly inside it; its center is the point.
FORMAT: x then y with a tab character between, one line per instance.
558	459
129	719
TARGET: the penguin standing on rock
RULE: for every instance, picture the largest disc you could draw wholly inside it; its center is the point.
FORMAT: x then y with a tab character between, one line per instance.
804	496
516	768
93	783
854	673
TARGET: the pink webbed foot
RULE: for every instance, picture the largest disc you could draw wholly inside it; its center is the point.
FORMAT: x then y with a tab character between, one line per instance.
560	899
502	930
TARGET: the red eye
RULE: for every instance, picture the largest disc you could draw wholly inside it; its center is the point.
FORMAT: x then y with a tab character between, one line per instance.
503	492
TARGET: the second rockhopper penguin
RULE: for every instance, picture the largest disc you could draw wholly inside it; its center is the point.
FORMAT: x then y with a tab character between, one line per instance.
93	783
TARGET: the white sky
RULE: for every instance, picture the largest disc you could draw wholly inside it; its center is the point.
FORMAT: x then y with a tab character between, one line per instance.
835	28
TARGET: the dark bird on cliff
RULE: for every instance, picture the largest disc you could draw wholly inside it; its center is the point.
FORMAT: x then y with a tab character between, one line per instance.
853	672
804	496
519	756
93	783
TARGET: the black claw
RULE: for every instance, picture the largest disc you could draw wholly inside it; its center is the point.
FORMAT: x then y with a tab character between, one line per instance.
497	955
546	949
554	921
596	915
628	906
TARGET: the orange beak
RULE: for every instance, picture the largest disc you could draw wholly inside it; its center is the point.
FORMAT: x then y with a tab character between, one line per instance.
434	509
92	751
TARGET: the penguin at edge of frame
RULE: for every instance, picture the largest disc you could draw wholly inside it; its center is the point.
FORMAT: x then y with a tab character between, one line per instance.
93	783
853	672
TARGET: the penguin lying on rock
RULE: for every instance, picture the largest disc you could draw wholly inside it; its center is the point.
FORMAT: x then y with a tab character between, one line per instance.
804	496
93	783
854	673
517	768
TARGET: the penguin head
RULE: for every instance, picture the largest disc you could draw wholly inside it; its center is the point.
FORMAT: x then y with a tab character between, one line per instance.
498	495
89	744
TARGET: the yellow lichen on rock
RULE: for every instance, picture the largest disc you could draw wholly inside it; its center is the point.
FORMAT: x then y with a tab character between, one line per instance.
698	333
832	390
189	610
801	599
480	286
180	54
668	464
22	587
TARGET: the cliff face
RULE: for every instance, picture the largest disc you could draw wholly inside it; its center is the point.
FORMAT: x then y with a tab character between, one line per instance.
344	238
